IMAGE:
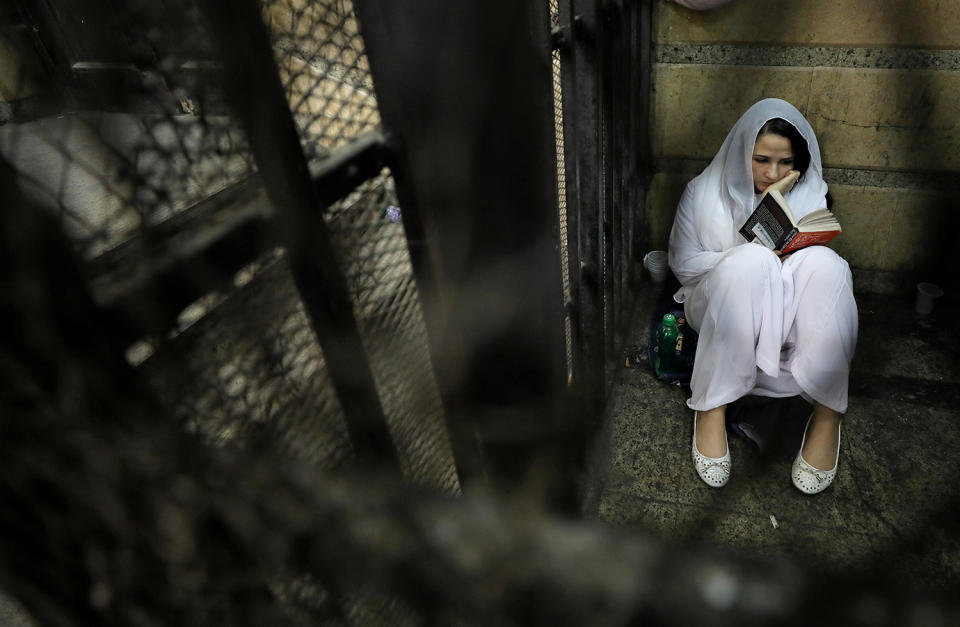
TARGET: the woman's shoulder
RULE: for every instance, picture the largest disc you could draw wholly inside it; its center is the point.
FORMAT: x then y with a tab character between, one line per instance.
694	184
701	179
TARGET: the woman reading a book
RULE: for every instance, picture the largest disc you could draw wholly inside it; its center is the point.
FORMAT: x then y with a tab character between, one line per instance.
769	324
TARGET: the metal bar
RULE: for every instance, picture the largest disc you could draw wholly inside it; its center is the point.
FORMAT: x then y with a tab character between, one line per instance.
624	103
446	353
472	130
146	282
636	99
613	81
347	167
588	275
253	87
604	72
422	233
645	67
642	135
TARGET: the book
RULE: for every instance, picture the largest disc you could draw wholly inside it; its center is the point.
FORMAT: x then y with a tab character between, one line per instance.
772	225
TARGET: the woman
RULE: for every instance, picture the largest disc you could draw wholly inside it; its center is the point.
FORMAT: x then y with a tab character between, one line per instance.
769	324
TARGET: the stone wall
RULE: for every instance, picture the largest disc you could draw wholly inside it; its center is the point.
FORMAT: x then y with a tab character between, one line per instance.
879	81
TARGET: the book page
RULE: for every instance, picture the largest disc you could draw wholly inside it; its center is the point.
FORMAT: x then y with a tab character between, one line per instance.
820	220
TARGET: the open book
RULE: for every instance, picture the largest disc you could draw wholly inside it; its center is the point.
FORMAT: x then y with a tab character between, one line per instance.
772	224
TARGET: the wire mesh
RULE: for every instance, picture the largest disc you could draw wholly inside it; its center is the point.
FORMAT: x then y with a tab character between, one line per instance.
111	176
321	60
250	367
241	362
128	139
368	234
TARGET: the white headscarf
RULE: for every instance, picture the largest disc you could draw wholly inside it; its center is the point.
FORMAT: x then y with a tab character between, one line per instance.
717	202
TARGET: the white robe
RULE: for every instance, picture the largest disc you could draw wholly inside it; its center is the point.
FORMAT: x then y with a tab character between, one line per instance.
765	327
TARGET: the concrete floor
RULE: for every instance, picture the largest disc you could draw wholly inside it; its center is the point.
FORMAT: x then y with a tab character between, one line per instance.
891	511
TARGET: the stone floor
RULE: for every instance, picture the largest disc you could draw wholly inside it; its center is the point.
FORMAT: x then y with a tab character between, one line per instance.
893	508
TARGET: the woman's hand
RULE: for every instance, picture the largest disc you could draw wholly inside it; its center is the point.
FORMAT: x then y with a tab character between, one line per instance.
785	184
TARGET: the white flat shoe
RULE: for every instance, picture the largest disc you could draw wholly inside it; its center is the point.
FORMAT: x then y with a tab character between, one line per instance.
808	479
715	471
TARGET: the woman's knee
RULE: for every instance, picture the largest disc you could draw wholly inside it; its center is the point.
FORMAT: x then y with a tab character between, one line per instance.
822	262
746	263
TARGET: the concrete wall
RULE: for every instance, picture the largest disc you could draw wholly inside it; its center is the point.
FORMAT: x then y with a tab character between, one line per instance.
878	79
16	83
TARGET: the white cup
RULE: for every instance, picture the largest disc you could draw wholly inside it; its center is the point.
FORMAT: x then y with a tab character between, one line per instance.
656	262
927	293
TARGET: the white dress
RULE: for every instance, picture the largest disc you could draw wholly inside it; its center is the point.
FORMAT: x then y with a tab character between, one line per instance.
765	327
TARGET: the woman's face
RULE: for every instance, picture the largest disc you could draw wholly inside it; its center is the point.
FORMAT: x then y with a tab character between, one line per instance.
772	160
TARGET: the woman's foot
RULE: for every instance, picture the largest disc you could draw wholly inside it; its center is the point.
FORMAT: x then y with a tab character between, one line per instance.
815	466
713	466
711	430
822	438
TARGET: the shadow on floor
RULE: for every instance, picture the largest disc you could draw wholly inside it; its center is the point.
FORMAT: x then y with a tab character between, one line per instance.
893	506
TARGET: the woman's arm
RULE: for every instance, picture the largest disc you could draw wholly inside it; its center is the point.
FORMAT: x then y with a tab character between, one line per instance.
689	258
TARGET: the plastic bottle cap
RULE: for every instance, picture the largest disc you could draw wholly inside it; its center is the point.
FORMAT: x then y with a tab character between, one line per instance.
669	320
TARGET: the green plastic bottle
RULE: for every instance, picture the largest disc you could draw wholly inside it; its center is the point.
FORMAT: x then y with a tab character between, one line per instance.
666	349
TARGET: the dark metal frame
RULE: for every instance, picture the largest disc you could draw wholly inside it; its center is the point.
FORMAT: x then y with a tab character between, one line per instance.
470	143
426	110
